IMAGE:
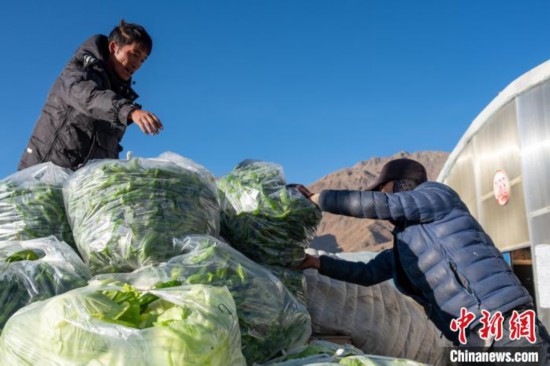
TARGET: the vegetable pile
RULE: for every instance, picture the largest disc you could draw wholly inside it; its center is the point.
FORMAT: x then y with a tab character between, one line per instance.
167	290
264	219
31	204
35	270
125	214
320	352
270	318
119	325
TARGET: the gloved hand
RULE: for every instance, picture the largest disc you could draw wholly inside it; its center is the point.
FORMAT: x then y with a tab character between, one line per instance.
302	189
309	261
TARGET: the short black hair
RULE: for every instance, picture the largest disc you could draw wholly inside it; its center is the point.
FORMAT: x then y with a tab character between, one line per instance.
128	33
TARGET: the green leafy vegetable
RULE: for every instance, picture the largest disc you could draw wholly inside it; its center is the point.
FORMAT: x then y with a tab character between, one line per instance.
31	204
124	214
320	352
294	280
36	270
271	319
264	219
119	325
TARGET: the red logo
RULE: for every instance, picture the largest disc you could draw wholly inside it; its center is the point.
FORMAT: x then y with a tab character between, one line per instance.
521	325
501	187
460	324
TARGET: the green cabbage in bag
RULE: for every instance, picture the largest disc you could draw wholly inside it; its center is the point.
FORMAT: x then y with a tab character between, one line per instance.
271	319
118	325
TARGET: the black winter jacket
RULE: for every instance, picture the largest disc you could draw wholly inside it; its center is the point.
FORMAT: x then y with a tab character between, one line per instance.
441	256
85	114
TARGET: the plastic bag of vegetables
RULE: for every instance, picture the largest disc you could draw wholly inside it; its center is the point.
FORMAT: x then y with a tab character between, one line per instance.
264	219
124	213
189	164
316	351
320	352
118	325
294	280
35	270
31	204
270	318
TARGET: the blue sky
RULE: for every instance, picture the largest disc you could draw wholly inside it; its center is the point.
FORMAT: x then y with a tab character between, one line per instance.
315	85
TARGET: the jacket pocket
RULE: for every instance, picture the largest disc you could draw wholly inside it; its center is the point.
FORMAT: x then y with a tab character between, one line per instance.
460	278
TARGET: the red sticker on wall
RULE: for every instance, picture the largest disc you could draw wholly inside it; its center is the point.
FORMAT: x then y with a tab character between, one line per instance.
501	187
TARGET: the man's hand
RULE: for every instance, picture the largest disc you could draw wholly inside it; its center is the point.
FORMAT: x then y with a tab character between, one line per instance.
309	261
313	197
147	121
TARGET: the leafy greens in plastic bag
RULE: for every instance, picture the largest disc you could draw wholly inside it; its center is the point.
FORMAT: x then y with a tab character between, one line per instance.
35	270
271	319
31	204
264	219
124	214
119	325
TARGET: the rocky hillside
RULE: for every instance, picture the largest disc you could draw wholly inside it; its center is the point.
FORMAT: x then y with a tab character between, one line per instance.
340	233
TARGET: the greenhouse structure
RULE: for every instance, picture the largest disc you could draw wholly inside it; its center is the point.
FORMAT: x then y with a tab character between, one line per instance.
501	169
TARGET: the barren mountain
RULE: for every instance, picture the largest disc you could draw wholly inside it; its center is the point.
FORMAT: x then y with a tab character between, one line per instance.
340	233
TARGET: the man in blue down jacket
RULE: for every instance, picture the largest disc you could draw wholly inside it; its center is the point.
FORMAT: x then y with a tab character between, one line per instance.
91	103
441	256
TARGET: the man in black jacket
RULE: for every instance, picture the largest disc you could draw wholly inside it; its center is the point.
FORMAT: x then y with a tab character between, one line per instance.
441	257
91	103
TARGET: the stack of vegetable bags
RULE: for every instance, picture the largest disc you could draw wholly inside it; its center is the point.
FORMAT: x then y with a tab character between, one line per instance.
125	214
35	270
270	318
269	222
31	204
264	219
119	325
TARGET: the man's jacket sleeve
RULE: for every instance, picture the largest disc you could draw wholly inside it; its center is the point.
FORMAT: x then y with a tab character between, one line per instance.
429	202
82	88
377	270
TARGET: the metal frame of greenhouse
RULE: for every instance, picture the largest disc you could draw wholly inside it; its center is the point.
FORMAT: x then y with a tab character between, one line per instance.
501	169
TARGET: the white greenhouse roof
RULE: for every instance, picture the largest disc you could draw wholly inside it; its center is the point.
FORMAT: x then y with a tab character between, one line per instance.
523	83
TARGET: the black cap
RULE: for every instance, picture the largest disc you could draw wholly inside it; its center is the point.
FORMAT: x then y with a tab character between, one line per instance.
400	169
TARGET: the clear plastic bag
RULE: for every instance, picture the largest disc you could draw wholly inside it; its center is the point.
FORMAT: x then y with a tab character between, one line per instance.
31	204
35	270
271	319
294	280
124	214
118	325
324	353
264	219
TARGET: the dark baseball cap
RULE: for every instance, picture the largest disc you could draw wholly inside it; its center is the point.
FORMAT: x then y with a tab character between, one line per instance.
400	169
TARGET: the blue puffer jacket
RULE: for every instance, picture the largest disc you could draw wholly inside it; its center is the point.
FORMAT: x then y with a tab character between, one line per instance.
441	255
